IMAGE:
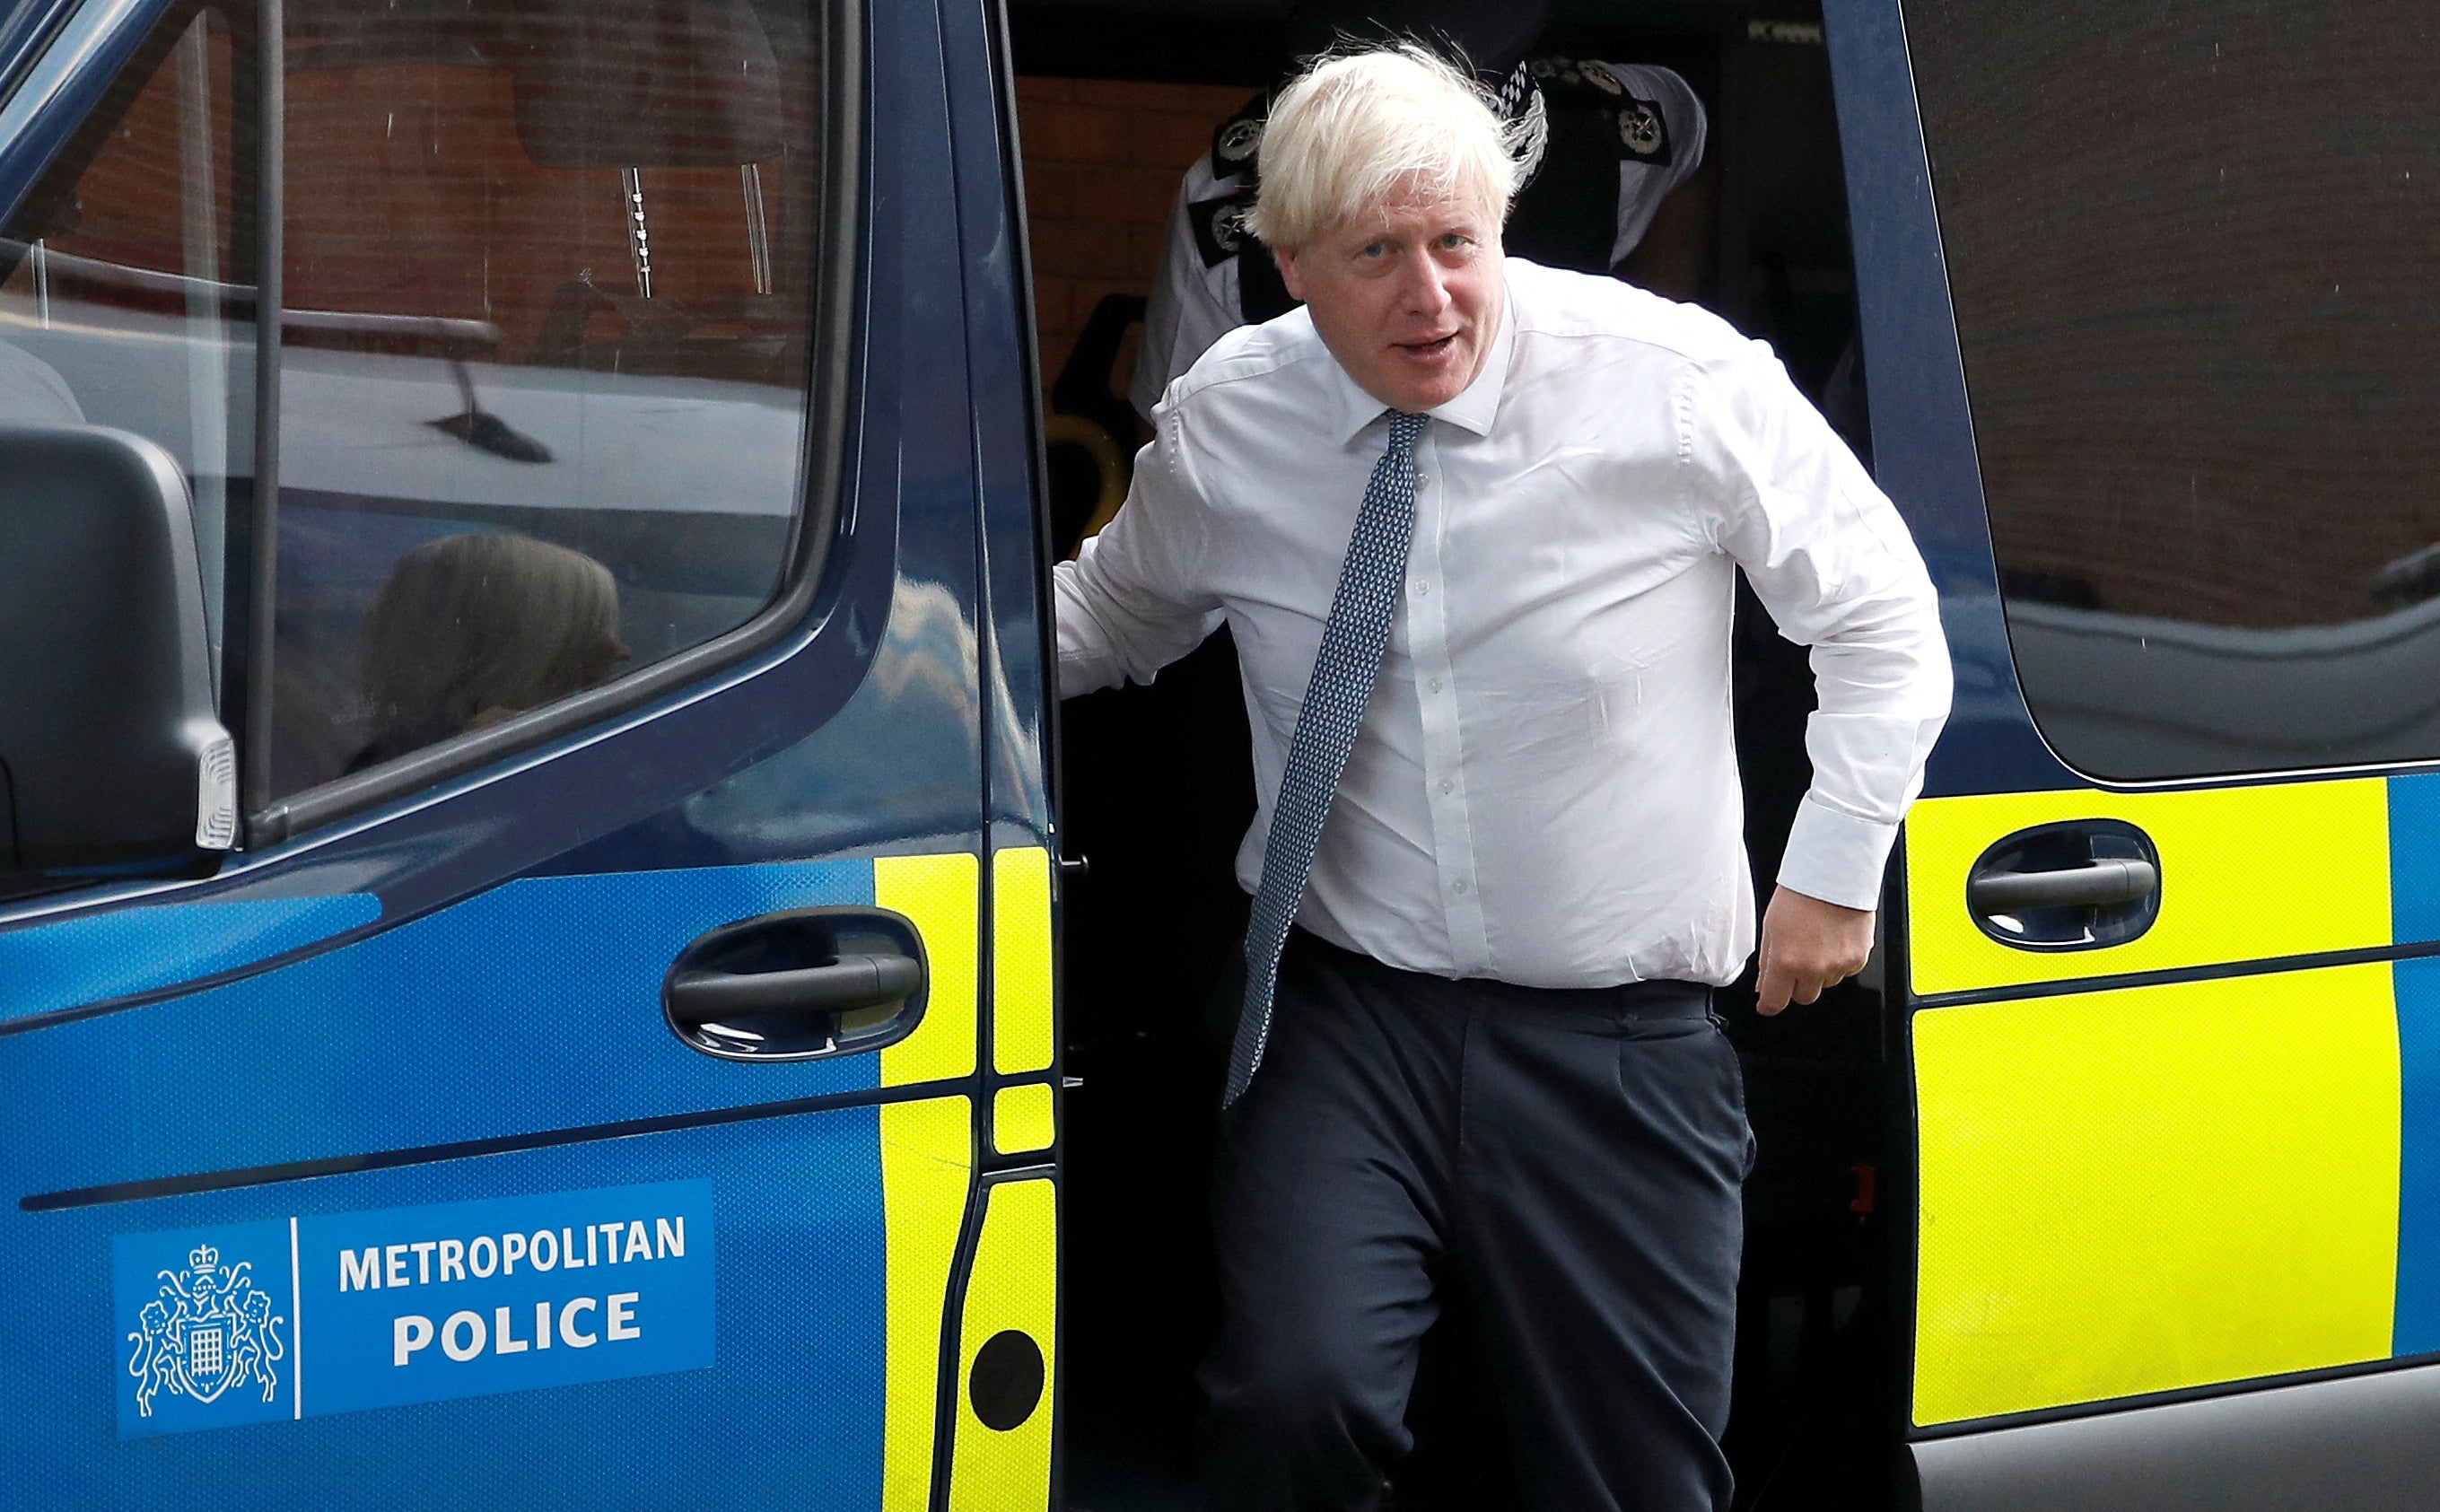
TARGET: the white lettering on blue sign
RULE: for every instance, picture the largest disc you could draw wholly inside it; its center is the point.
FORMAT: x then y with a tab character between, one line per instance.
464	1337
393	1265
501	1297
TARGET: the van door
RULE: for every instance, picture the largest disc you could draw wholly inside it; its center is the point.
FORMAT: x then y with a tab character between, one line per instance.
2145	298
575	1090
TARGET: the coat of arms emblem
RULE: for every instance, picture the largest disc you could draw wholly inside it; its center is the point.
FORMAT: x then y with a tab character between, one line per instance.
208	1332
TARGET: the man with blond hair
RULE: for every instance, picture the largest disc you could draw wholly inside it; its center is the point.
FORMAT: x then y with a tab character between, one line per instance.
1600	147
1475	524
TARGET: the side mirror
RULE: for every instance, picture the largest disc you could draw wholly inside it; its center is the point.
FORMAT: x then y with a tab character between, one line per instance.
111	755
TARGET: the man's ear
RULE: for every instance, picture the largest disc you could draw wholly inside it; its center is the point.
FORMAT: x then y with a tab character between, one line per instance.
1290	274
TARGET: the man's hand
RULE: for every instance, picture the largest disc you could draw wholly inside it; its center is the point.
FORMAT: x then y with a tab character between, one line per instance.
1809	945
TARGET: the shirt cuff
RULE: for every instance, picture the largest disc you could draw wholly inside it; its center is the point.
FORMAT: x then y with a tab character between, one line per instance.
1836	858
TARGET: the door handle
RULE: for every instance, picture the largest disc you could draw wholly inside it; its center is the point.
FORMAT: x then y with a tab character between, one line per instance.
853	982
798	984
2078	886
2095	884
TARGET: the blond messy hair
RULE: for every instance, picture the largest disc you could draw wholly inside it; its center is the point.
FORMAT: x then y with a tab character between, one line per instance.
1358	129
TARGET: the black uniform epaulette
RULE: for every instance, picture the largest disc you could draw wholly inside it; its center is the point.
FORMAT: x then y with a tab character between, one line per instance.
1637	129
1237	142
1219	225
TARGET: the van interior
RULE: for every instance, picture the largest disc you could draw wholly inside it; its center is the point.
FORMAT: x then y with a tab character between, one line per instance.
1115	99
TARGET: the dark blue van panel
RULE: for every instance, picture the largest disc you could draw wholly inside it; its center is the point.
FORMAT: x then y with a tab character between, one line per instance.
456	1000
1923	437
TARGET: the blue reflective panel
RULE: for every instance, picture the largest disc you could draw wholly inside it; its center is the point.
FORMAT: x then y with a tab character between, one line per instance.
97	957
792	1363
535	1007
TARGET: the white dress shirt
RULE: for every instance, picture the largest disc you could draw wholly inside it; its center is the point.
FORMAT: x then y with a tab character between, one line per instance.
1545	788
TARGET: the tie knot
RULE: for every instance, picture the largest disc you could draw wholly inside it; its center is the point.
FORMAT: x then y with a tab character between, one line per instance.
1405	428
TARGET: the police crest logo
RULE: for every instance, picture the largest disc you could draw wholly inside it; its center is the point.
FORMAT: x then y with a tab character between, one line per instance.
1219	225
206	1327
1229	225
210	1331
1238	140
1640	129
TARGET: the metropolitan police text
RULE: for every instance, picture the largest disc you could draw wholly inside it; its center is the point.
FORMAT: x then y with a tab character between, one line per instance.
467	1334
386	1265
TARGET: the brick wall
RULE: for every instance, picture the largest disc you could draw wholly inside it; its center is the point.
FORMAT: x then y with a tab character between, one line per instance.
1103	160
410	191
2200	344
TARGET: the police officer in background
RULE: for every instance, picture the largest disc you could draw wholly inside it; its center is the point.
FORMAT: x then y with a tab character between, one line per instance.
1610	142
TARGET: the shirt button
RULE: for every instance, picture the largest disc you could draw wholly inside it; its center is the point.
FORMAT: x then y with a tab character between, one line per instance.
1423	481
1448	787
1458	887
1434	685
1422	587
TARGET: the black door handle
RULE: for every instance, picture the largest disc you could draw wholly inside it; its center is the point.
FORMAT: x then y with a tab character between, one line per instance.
2077	885
843	986
2096	884
798	984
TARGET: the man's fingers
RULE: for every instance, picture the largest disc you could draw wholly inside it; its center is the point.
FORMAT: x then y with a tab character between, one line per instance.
1771	988
1780	986
1808	946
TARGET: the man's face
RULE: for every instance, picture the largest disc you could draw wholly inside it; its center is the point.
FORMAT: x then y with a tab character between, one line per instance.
1407	296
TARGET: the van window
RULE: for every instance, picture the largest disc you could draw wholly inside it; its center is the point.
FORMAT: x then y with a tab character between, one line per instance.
117	307
545	336
543	404
2190	249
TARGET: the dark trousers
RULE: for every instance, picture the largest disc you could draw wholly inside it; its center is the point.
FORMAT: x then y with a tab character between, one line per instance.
1568	1161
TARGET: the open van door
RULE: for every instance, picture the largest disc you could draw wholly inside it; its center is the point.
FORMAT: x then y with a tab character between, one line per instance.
2146	307
566	1018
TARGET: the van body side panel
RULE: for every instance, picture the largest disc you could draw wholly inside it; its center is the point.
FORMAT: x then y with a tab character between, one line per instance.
2247	874
796	1217
927	1172
1006	398
2162	1187
1007	1350
2159	1180
1006	1390
457	1000
2364	1442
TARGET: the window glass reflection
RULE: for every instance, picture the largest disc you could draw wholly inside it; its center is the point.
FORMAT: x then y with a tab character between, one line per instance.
470	629
2191	255
543	373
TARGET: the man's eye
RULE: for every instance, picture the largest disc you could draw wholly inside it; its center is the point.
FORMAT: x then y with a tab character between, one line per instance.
1454	240
1376	250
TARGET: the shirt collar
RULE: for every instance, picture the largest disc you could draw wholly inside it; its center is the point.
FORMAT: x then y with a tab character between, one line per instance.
1472	410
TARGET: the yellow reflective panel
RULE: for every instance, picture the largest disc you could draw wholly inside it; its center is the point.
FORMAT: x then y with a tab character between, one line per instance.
1022	1120
2247	874
926	1164
1021	1030
942	895
1014	1290
2154	1188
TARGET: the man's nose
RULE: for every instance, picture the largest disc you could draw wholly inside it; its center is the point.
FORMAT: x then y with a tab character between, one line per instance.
1427	287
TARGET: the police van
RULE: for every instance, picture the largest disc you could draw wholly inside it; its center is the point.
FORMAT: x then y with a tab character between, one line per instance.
545	959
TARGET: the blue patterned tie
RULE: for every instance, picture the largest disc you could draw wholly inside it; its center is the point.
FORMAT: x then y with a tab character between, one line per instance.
1344	672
